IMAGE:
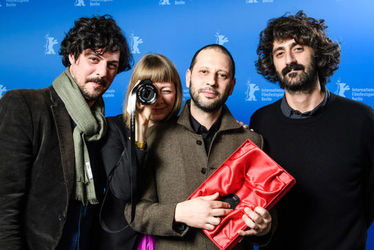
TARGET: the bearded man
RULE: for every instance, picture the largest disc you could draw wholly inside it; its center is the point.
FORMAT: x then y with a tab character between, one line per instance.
50	173
325	141
185	152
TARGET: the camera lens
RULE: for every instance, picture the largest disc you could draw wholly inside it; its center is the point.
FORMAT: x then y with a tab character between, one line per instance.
146	92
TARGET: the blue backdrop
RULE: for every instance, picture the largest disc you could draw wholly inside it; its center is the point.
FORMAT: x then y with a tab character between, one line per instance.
31	32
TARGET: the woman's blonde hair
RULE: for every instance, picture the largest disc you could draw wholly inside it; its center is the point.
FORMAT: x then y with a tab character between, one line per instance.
157	68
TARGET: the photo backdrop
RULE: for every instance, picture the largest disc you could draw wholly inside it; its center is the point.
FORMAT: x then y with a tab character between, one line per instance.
31	32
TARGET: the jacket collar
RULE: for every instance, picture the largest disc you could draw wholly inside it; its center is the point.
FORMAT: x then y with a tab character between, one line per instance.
228	121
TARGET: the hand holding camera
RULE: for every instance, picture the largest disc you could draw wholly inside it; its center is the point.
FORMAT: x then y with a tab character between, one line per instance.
146	95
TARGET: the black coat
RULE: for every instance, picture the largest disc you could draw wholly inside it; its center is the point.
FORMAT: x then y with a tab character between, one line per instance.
114	153
36	168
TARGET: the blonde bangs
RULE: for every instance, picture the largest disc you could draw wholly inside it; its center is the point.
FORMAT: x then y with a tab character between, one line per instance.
157	68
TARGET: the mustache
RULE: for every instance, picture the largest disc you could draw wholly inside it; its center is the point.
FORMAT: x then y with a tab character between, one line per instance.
209	89
293	66
99	80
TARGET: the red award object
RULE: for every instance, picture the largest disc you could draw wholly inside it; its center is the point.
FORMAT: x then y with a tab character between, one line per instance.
248	178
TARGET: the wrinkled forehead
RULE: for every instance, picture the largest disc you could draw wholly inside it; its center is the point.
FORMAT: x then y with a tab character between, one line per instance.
283	43
288	43
296	36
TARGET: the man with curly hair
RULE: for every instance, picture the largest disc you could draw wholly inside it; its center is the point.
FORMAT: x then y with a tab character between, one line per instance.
325	141
51	181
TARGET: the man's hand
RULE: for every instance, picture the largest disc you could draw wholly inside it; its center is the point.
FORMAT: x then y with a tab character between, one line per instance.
258	221
202	212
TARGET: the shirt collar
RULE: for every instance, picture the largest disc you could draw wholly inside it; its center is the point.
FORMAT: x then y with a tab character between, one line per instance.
228	121
200	129
295	114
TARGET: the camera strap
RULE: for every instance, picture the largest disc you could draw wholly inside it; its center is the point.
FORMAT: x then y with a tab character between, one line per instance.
131	153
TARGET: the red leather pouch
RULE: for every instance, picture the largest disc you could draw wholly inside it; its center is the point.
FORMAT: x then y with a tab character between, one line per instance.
247	178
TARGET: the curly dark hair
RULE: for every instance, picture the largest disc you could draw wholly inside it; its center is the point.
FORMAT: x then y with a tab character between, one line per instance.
306	31
98	32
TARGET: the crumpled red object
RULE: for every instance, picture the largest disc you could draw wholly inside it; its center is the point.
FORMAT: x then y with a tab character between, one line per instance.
255	178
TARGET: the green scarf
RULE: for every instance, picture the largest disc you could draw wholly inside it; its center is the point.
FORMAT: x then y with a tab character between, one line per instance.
90	126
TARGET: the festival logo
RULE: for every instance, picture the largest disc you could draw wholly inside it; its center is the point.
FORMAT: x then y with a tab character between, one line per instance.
14	3
2	90
342	88
50	42
257	1
110	93
79	3
164	2
135	41
250	93
221	39
186	94
180	2
95	3
167	2
254	93
357	93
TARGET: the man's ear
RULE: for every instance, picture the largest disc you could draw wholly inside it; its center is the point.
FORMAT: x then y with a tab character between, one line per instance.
71	59
233	81
188	78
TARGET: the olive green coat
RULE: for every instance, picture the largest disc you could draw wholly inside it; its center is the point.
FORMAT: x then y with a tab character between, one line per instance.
177	164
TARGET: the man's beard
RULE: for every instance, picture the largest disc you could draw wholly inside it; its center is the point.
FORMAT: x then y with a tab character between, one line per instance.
211	107
93	96
306	81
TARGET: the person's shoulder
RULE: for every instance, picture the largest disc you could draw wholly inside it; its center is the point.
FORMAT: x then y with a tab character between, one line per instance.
167	124
267	108
340	100
29	97
255	137
349	104
115	119
163	129
117	123
265	115
16	93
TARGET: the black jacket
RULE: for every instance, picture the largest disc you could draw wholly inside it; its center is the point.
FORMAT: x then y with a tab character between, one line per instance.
36	168
114	153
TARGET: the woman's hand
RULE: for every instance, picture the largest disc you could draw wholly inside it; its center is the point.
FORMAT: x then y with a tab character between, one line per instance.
143	114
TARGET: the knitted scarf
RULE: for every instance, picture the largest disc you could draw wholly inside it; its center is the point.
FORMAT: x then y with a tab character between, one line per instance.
90	126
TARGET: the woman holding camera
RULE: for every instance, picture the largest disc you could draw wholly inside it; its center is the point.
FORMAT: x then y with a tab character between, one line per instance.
162	72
